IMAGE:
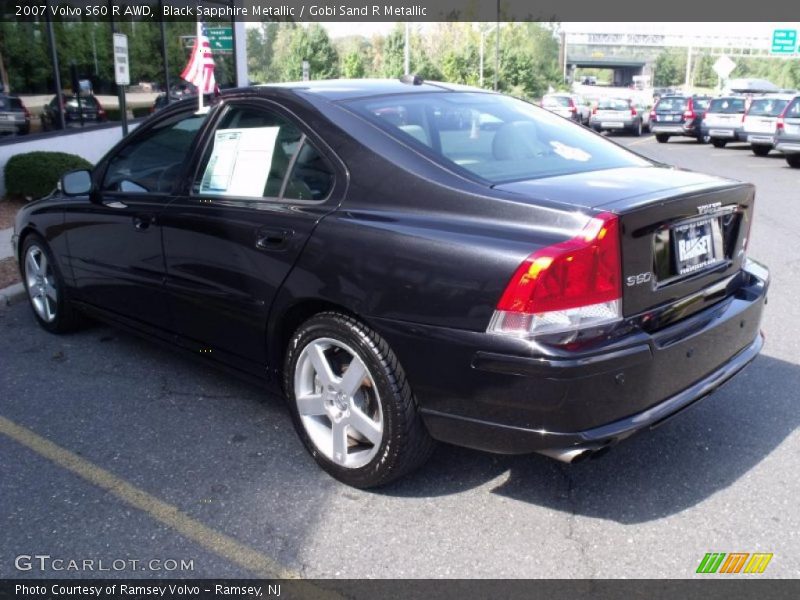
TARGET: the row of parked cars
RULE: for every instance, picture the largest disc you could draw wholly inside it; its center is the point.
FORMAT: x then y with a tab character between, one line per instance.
766	122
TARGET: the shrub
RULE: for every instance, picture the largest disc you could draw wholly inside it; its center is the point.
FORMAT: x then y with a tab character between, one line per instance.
35	174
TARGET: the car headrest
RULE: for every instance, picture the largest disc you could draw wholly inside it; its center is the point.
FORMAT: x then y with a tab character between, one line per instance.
515	141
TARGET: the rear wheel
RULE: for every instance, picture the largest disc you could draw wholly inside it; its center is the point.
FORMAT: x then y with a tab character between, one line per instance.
47	292
662	138
760	149
703	139
637	129
718	143
351	403
793	160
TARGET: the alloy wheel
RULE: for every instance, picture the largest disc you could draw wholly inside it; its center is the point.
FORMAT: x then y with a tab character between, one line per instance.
41	283
338	403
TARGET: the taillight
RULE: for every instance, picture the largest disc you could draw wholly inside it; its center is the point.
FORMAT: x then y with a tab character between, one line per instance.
633	111
594	110
567	286
653	115
689	112
572	109
779	125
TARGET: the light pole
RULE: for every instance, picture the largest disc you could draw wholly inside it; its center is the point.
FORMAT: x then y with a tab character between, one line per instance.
407	53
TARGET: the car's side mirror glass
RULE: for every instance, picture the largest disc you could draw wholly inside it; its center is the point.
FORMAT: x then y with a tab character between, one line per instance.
76	183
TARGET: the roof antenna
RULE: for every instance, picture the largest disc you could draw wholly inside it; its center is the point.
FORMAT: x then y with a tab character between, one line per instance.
411	79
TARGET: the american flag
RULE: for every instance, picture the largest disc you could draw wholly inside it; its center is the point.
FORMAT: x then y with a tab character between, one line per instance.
200	70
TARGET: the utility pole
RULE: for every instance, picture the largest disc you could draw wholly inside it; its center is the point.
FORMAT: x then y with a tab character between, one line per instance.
407	53
689	70
56	70
497	48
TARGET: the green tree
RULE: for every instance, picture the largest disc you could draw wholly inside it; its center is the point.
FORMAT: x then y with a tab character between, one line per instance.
353	66
294	44
670	68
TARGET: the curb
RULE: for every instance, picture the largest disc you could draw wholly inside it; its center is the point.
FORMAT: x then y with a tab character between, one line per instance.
12	294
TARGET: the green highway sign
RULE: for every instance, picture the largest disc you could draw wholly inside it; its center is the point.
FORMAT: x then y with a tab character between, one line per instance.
220	37
784	41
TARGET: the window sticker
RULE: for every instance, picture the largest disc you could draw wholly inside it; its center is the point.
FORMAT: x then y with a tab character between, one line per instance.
240	162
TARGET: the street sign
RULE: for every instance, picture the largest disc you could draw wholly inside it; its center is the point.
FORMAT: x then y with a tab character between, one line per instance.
724	66
220	37
784	41
122	72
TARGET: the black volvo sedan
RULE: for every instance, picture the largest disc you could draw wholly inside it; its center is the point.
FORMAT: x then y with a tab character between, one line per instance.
409	262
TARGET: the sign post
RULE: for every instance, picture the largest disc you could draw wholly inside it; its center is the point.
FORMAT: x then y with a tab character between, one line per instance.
306	71
122	75
784	42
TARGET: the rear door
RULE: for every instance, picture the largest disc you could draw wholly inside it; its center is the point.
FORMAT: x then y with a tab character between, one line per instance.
791	120
263	182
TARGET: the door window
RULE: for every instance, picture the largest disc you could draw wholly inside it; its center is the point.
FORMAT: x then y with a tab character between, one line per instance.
153	162
251	153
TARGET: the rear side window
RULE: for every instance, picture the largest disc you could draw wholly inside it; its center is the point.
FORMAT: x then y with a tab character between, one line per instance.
727	106
496	138
671	105
257	153
793	112
767	107
700	103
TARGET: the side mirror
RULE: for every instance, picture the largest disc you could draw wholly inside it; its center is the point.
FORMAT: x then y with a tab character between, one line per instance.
76	183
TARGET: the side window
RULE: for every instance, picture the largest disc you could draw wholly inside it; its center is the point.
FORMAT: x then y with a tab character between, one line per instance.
793	111
312	176
152	163
249	155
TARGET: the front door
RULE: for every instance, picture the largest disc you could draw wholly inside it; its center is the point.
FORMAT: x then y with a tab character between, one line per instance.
114	237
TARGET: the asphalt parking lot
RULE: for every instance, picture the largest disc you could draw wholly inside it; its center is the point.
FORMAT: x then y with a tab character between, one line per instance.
113	448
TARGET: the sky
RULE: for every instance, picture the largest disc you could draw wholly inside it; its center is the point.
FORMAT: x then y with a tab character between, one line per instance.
764	28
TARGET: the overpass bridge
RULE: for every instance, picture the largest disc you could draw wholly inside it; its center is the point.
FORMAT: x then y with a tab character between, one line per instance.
634	54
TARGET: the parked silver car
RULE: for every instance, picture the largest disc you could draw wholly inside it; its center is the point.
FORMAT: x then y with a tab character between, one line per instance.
761	120
14	117
787	133
569	106
722	121
619	114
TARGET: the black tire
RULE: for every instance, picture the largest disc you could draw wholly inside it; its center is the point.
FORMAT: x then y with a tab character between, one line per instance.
662	138
703	139
66	318
636	130
793	160
760	149
718	143
405	443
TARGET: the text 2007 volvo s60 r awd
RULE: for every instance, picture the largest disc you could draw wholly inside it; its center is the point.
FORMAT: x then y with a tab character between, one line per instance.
410	262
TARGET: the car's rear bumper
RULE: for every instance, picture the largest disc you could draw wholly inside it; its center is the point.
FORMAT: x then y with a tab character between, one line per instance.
788	147
731	134
475	392
761	139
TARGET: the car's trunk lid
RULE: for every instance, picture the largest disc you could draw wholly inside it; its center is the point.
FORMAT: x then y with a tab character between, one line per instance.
681	232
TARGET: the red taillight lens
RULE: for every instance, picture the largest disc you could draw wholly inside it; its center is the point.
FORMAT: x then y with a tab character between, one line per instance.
568	286
633	111
594	110
688	114
779	124
652	114
572	109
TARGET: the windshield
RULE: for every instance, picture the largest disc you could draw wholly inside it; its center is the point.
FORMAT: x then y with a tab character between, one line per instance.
86	102
494	137
727	106
671	105
767	107
613	104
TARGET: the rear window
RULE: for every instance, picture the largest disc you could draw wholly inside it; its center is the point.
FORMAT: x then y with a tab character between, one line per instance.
86	102
767	107
613	104
671	105
727	106
496	138
555	101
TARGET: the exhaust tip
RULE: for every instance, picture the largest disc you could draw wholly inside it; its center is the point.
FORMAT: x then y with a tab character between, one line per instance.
575	455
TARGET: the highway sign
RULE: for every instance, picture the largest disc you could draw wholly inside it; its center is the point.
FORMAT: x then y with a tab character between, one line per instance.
784	41
220	37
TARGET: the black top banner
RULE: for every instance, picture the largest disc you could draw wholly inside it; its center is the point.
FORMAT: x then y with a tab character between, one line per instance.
394	10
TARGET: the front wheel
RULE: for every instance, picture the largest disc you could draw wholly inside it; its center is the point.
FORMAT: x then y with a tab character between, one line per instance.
793	160
760	149
47	292
351	403
662	138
